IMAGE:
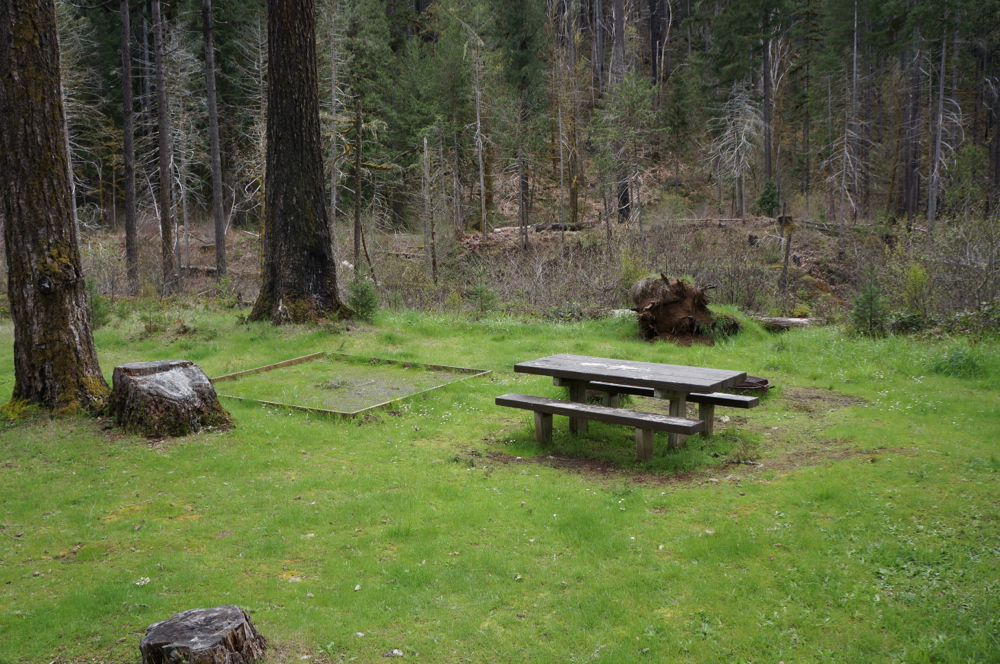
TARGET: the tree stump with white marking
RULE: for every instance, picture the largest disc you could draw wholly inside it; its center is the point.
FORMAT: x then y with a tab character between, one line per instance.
167	398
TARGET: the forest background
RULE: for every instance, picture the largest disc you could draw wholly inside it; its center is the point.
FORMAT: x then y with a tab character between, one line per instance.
875	122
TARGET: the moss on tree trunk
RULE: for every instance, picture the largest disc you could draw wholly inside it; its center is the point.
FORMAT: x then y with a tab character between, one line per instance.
55	364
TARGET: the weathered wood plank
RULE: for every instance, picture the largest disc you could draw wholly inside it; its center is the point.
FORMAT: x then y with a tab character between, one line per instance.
628	372
715	398
723	399
632	418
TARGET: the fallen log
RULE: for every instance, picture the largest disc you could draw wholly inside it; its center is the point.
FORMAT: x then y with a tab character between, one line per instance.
777	324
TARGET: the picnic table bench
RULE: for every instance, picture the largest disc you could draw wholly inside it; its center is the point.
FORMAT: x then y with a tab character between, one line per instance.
678	384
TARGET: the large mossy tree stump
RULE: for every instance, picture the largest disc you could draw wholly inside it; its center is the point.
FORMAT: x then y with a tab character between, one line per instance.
223	635
168	398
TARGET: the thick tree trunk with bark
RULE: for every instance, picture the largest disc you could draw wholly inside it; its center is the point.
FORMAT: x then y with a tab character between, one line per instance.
55	364
299	279
213	133
128	152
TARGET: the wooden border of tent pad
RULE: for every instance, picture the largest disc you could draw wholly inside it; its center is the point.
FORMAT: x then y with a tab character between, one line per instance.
473	373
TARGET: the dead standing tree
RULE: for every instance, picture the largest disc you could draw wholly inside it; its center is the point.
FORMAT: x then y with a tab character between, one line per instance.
299	278
55	364
735	147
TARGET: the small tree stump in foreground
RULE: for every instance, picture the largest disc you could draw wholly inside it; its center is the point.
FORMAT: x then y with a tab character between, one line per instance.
169	398
223	635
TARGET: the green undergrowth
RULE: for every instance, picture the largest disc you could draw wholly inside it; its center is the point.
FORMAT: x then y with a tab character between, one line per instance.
440	528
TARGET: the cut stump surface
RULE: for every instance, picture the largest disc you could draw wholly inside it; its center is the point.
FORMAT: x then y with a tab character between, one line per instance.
168	398
223	635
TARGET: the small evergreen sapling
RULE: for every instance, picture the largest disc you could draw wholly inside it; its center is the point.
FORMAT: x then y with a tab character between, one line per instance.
868	317
362	297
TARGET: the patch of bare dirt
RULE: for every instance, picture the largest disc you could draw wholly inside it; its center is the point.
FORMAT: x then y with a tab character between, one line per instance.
598	470
813	399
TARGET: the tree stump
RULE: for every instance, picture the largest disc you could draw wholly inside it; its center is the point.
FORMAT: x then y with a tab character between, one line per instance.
168	398
223	635
670	308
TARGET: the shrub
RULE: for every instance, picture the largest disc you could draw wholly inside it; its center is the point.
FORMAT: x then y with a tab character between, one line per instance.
362	296
906	322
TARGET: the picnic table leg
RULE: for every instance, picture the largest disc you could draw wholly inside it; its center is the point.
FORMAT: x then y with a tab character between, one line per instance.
609	399
644	444
543	427
678	408
577	393
706	412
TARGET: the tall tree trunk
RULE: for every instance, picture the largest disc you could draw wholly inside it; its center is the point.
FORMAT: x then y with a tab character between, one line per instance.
574	165
456	182
522	176
805	141
935	180
599	46
655	39
55	363
128	152
479	147
430	259
299	277
163	138
622	175
911	157
213	133
334	107
768	174
357	184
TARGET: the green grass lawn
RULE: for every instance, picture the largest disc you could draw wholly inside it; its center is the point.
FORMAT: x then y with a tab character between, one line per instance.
869	533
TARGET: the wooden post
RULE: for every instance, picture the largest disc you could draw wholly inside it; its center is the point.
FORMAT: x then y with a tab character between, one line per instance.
609	399
644	444
543	427
706	412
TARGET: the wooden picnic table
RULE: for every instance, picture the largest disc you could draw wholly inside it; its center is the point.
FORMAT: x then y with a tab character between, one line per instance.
668	381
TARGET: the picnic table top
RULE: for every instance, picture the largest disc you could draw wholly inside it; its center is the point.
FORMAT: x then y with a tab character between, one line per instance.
668	377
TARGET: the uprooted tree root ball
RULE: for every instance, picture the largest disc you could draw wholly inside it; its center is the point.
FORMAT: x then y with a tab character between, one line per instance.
677	310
